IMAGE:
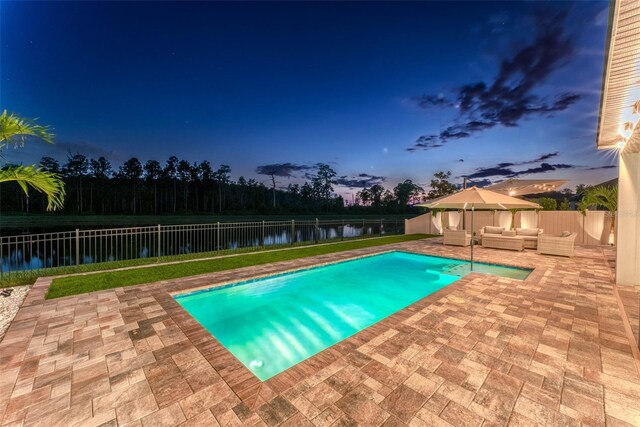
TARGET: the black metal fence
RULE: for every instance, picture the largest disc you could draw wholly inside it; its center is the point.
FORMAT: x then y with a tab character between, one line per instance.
68	248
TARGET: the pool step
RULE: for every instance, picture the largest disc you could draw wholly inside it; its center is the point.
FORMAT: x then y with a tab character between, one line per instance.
437	275
458	270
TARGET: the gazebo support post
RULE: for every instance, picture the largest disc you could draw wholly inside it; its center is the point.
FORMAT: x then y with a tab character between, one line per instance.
473	234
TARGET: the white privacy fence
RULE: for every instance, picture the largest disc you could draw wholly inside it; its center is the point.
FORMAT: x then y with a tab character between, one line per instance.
592	228
68	248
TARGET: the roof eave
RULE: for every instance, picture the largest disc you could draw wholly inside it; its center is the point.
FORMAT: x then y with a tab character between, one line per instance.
605	69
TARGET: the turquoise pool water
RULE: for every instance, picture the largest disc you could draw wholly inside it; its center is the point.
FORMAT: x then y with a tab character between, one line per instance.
274	323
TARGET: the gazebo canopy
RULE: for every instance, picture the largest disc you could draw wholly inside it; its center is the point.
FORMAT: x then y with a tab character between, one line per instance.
479	198
520	187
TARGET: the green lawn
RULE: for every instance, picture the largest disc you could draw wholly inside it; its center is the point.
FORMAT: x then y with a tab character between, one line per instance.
74	285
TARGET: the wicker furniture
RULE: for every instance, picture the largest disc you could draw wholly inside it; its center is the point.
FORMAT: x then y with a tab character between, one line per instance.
557	245
530	236
456	237
490	231
497	241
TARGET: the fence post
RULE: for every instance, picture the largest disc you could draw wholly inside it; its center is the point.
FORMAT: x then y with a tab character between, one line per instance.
342	231
2	264
77	246
363	228
158	243
315	233
218	236
293	231
262	234
380	226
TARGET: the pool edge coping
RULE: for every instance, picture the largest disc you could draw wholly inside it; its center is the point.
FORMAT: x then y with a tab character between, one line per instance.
232	283
447	289
244	384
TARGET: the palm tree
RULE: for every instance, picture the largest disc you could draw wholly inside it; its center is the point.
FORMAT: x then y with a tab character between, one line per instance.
14	130
601	196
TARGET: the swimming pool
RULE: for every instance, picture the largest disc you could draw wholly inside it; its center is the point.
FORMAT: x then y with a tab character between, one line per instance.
273	323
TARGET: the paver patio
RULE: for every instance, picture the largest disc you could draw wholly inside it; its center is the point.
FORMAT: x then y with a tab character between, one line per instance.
551	350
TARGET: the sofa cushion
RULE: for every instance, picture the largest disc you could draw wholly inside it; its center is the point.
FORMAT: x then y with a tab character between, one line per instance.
493	230
527	231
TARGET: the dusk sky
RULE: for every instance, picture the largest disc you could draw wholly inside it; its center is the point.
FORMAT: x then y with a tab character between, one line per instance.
380	91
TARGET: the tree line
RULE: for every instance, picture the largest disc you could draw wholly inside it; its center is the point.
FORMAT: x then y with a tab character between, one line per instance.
84	185
95	186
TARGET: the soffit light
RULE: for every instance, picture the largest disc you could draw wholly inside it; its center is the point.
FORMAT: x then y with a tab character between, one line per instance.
627	129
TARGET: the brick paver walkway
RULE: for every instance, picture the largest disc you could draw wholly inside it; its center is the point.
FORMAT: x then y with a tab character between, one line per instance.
550	350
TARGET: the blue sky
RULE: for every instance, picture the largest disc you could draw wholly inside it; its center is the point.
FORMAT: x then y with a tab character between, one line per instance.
494	89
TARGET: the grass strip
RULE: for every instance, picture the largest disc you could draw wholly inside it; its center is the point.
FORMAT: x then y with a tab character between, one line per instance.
74	285
28	277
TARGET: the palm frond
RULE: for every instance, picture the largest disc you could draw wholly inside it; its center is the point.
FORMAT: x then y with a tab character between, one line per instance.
14	130
600	196
42	181
434	211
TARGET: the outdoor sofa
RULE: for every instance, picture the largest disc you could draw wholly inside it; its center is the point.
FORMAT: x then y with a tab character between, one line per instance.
562	245
528	235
